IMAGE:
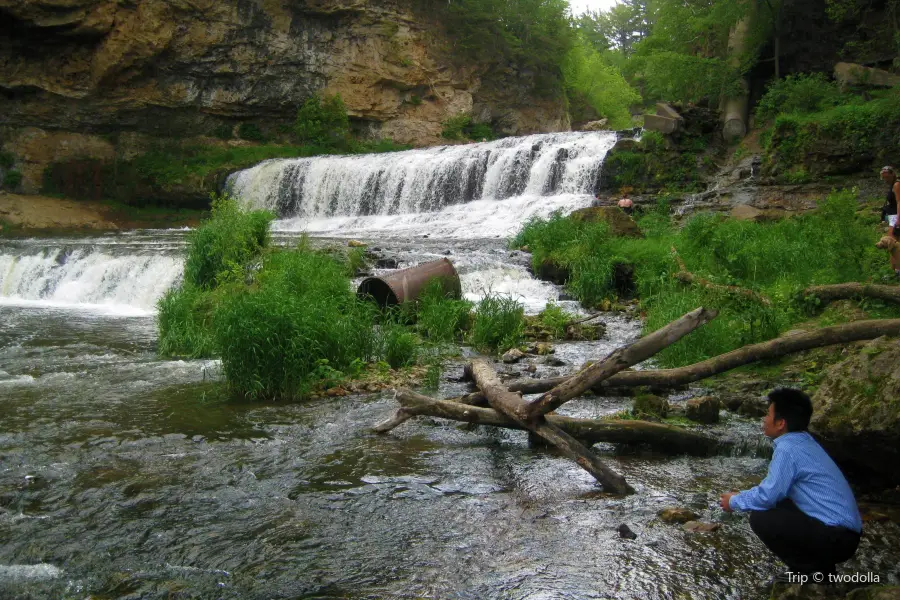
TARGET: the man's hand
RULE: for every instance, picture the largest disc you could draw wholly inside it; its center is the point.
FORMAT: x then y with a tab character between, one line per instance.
724	501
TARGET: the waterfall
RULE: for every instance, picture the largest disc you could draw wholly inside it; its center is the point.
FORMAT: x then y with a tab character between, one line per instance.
472	190
127	281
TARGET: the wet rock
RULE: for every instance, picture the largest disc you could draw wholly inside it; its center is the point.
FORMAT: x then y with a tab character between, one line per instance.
586	331
856	413
753	407
552	361
619	223
512	356
531	369
701	527
625	532
648	405
356	244
386	263
703	410
677	514
541	349
548	270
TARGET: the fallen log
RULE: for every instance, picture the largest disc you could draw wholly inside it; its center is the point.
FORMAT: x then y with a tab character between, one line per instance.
617	361
845	291
788	344
688	278
513	406
664	438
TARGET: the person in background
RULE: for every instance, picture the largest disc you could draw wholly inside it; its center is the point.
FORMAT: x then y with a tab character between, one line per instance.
626	204
804	510
889	212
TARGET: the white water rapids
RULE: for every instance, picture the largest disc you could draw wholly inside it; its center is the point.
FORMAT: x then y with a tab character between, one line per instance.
454	195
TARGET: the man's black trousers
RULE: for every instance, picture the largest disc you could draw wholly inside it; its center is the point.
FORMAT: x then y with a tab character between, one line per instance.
804	544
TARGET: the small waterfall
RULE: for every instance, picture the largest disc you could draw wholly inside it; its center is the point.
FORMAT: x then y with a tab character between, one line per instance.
87	275
470	190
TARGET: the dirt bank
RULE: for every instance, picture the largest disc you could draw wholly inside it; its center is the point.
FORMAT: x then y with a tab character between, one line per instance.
20	213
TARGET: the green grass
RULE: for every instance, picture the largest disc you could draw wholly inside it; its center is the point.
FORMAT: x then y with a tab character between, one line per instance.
499	324
440	317
832	245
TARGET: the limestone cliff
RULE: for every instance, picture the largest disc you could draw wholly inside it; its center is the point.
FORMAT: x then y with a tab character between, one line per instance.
73	72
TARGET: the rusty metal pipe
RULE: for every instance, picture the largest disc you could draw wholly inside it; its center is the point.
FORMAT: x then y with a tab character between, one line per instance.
406	285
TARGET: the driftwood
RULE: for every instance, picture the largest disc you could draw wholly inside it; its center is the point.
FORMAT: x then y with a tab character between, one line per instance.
787	344
514	407
617	361
664	438
686	277
843	291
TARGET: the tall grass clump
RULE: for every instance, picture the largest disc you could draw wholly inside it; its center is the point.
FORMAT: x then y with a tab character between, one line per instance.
275	337
184	321
832	244
220	248
441	317
499	323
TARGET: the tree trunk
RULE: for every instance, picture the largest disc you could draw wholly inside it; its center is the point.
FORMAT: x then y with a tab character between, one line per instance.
617	361
512	405
663	438
686	277
843	291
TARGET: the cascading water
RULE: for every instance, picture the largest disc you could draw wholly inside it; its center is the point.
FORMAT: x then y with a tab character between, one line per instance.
466	191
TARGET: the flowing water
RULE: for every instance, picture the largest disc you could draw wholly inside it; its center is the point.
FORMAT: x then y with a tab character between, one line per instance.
126	476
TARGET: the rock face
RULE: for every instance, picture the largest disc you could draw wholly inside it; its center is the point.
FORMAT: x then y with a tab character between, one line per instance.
856	412
171	68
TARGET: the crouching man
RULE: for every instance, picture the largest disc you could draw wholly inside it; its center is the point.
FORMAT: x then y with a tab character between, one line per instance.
804	510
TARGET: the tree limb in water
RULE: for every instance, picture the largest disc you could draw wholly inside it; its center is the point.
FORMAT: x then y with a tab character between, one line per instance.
664	438
844	291
514	407
686	277
617	361
787	344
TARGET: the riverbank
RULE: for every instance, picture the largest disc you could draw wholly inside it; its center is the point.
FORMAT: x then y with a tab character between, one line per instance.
33	214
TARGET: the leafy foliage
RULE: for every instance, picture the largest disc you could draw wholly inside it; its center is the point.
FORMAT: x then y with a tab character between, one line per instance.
441	317
801	93
221	247
499	324
322	121
831	245
12	179
601	84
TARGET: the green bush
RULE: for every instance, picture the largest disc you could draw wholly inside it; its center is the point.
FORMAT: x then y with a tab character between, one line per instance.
801	93
441	317
11	180
299	326
251	132
399	346
831	245
184	319
223	132
555	319
322	121
221	247
7	159
499	324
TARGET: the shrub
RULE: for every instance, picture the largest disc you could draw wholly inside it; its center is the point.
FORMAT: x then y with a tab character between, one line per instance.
555	319
12	179
7	159
184	320
222	246
441	317
499	324
322	121
801	93
251	132
399	346
454	127
300	325
223	132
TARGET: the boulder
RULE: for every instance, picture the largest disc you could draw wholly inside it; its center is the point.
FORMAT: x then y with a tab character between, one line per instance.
753	407
703	410
701	527
619	223
356	244
648	405
512	356
853	74
677	515
599	125
625	532
856	412
541	348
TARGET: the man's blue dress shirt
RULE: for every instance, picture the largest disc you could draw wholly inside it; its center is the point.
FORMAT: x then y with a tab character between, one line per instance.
802	471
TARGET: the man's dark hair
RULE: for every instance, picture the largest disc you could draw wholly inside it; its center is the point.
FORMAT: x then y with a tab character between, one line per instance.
793	406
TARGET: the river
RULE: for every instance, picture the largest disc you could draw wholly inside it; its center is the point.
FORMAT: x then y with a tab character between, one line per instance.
123	475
